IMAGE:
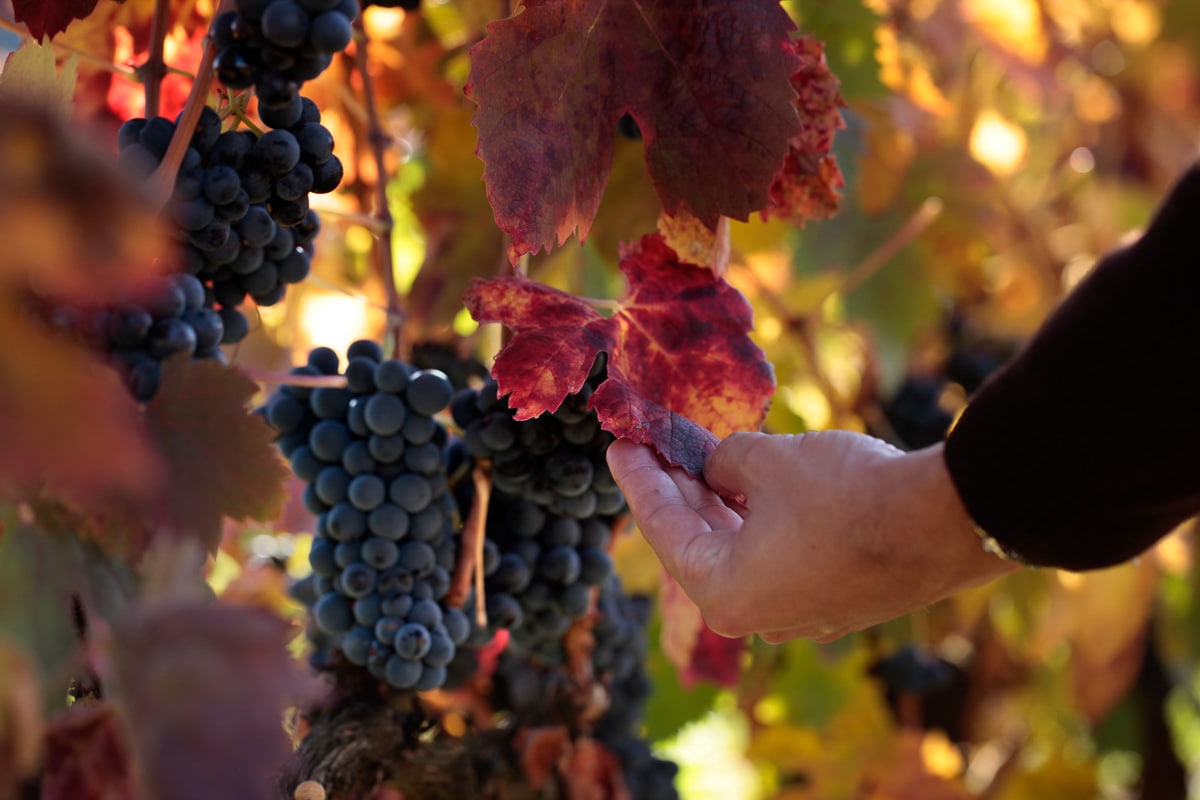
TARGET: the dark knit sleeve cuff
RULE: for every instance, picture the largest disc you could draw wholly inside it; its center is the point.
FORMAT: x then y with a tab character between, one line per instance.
1082	452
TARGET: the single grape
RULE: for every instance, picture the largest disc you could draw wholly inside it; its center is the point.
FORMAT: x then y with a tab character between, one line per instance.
417	557
412	641
380	553
358	580
402	673
356	645
333	614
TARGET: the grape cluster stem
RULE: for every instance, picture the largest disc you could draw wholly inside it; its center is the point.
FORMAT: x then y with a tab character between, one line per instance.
382	239
162	182
470	560
155	68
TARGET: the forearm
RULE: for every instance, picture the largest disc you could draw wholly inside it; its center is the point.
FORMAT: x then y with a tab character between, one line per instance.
1081	453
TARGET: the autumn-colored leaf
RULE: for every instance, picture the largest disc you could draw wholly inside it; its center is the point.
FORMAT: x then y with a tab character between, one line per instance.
682	371
593	772
68	217
708	85
540	750
807	185
70	429
88	756
694	242
48	17
21	719
204	688
220	457
697	653
31	74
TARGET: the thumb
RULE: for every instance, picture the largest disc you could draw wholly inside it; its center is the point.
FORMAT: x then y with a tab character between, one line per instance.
731	468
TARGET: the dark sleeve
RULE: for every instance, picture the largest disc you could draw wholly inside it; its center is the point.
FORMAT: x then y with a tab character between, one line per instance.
1085	449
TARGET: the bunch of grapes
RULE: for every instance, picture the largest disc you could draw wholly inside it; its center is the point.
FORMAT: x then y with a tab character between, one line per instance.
277	45
535	693
241	216
556	461
922	409
169	317
374	459
619	661
545	568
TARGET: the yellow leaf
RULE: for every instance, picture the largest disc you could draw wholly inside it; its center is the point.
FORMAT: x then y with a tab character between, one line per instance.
30	75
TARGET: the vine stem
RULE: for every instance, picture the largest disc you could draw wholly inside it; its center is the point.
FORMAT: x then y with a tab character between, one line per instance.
155	67
913	227
90	58
162	182
470	559
290	379
378	141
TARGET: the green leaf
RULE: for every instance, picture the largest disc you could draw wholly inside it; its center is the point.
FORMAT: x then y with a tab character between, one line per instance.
671	706
42	577
814	684
30	75
220	459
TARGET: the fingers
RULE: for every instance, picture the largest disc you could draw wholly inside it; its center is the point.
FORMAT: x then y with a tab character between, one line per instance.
730	469
677	514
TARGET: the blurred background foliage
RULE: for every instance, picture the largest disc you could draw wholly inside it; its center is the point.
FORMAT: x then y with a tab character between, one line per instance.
993	150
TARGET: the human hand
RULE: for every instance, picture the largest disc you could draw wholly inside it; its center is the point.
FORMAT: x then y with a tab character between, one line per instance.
826	533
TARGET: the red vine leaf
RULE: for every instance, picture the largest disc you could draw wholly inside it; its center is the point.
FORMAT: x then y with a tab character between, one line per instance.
540	750
21	720
807	186
591	770
70	429
49	17
696	652
708	85
682	370
88	756
68	217
204	688
220	458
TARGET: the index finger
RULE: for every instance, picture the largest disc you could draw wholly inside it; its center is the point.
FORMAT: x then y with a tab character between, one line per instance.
670	507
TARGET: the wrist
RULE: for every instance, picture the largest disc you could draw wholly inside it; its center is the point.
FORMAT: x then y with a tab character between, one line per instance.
944	537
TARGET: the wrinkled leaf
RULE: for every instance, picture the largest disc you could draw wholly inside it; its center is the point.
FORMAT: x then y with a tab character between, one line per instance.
221	458
707	85
48	17
70	429
204	688
88	756
807	185
31	74
540	750
682	371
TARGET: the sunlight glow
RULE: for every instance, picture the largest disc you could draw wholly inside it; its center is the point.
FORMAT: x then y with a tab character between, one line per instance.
332	319
1082	160
998	144
1015	24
